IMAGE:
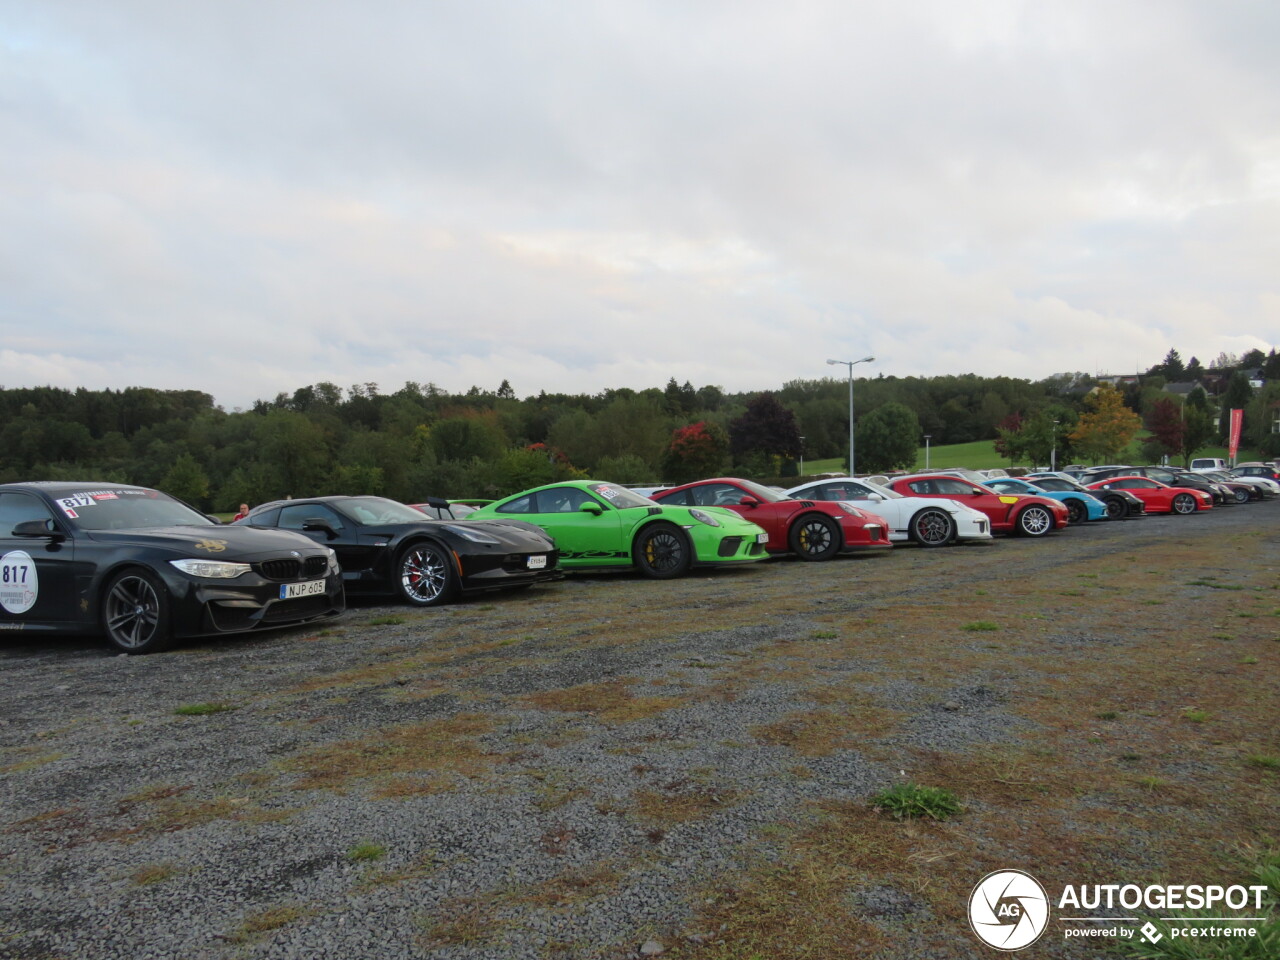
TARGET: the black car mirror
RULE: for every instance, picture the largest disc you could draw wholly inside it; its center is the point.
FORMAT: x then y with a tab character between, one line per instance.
38	529
320	525
591	507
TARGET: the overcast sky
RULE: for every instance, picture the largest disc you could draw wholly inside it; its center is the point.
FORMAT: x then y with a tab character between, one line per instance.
248	196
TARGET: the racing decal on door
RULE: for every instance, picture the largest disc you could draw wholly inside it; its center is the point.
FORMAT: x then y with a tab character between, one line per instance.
19	584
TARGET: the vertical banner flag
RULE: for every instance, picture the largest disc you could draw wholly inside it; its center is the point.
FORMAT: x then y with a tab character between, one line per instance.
1237	418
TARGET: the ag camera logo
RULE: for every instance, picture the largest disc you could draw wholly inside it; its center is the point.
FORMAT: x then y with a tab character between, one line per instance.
1008	910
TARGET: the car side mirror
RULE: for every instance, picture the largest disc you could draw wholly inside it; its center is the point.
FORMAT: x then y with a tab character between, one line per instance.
592	508
875	496
748	501
320	525
38	529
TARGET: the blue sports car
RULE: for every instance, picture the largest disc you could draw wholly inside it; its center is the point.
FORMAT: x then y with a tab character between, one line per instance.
1082	506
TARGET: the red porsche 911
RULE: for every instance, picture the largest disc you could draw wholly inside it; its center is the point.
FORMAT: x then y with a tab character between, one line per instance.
1159	497
811	529
1028	516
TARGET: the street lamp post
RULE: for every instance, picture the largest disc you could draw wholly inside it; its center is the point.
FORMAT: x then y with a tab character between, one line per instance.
849	364
1053	453
802	456
927	437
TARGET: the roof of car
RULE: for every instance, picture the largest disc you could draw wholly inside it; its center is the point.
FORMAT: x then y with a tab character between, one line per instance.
56	487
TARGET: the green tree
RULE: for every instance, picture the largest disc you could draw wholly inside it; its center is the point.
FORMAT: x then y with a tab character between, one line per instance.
1106	428
1172	368
1236	397
1197	431
887	438
623	469
764	435
1009	442
1046	435
294	453
1264	410
467	438
187	481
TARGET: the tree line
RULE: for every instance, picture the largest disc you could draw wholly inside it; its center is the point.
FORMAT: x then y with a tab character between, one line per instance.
421	440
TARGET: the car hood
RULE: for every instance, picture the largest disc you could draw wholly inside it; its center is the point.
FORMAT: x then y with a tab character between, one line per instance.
221	542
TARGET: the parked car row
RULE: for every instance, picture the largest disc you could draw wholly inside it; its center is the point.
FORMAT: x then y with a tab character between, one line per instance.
145	569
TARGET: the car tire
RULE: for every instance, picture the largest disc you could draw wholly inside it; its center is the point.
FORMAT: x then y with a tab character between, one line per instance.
1183	504
1077	512
1241	496
1117	507
425	576
1034	521
815	537
661	552
933	528
135	611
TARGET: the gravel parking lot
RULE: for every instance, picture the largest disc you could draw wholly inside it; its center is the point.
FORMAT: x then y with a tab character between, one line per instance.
607	763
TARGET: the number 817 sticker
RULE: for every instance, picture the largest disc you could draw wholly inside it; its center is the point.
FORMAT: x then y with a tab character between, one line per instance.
19	585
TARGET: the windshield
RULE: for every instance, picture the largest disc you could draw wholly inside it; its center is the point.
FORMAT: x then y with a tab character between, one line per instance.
1008	485
620	497
375	510
1056	484
883	491
129	509
761	492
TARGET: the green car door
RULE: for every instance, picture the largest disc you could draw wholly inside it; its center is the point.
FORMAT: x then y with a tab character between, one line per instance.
587	529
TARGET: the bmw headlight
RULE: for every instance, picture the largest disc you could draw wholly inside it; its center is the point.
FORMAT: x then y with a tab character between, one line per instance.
334	566
706	518
211	569
474	534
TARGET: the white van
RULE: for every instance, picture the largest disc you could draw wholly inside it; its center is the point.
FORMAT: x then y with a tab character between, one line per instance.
1208	464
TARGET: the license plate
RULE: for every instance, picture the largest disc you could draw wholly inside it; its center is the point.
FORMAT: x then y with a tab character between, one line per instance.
538	562
762	538
311	588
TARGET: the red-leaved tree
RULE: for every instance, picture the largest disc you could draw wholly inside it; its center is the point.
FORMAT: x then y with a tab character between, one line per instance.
698	451
1165	424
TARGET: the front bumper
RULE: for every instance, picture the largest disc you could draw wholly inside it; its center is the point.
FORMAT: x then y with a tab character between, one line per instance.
725	548
249	602
500	571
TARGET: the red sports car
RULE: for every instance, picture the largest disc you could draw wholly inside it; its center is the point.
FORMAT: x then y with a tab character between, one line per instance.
811	529
1159	497
1026	515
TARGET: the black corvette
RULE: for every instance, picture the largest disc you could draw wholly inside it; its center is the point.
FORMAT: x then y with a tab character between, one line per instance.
147	569
386	547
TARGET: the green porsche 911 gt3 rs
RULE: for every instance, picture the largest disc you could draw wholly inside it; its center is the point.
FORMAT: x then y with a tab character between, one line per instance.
604	525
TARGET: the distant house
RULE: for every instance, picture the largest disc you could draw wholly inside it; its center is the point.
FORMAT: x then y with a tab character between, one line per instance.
1183	388
1119	381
